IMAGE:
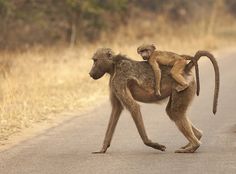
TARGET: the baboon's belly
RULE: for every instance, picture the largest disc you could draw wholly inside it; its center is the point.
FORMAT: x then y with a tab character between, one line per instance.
142	83
146	94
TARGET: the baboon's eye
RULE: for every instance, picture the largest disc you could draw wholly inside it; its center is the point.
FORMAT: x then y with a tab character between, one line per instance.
95	60
109	54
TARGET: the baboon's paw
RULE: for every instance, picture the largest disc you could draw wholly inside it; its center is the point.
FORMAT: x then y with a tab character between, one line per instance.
189	149
198	135
157	146
186	146
162	148
99	152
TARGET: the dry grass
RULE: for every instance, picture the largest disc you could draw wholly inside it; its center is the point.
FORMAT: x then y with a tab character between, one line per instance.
43	83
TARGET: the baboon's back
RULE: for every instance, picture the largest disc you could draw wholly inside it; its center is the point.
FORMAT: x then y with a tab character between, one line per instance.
141	70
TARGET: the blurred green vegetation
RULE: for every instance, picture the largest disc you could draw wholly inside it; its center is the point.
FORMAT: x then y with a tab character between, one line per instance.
24	23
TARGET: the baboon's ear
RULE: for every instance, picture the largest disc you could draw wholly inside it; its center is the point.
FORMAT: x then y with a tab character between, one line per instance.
138	50
153	46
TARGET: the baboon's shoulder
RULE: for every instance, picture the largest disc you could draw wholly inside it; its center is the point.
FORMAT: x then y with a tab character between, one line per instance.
126	65
119	58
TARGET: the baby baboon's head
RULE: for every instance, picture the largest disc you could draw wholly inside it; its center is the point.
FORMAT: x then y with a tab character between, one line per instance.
102	63
146	50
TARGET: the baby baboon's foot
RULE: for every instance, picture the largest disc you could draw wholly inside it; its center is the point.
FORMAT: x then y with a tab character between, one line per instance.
190	149
181	87
156	146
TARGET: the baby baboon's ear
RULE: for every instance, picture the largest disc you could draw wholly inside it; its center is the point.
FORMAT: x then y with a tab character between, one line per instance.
110	53
153	46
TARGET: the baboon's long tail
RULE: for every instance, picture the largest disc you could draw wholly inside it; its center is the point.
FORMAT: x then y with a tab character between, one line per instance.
190	65
187	57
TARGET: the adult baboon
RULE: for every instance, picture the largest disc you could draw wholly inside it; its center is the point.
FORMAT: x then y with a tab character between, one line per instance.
132	81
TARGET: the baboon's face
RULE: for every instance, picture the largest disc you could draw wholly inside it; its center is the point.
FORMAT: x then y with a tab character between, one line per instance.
102	63
146	51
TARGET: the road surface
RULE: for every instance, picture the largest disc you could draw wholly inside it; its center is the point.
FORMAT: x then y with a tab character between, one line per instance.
66	149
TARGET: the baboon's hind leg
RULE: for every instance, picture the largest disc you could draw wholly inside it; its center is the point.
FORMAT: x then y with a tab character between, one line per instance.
176	109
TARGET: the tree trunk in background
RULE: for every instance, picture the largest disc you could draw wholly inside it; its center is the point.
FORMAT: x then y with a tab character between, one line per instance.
73	36
4	32
216	7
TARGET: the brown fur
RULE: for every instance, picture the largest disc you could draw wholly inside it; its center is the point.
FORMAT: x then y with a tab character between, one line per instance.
132	81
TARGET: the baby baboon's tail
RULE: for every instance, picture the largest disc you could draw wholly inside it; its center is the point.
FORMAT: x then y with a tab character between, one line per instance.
190	65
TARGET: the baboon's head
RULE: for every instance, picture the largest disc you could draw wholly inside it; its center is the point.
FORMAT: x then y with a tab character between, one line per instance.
146	50
102	63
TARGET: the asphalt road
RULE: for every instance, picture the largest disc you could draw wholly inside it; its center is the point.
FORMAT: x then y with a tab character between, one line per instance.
66	149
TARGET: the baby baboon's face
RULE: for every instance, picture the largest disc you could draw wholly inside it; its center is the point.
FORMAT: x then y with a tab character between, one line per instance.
146	51
102	63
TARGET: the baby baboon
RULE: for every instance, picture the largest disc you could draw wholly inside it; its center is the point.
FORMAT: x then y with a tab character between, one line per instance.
156	58
129	80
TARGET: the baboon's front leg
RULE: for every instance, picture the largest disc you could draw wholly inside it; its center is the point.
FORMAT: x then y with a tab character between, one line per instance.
115	115
134	109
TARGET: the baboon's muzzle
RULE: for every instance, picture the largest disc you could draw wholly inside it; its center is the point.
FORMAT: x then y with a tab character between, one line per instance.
96	75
